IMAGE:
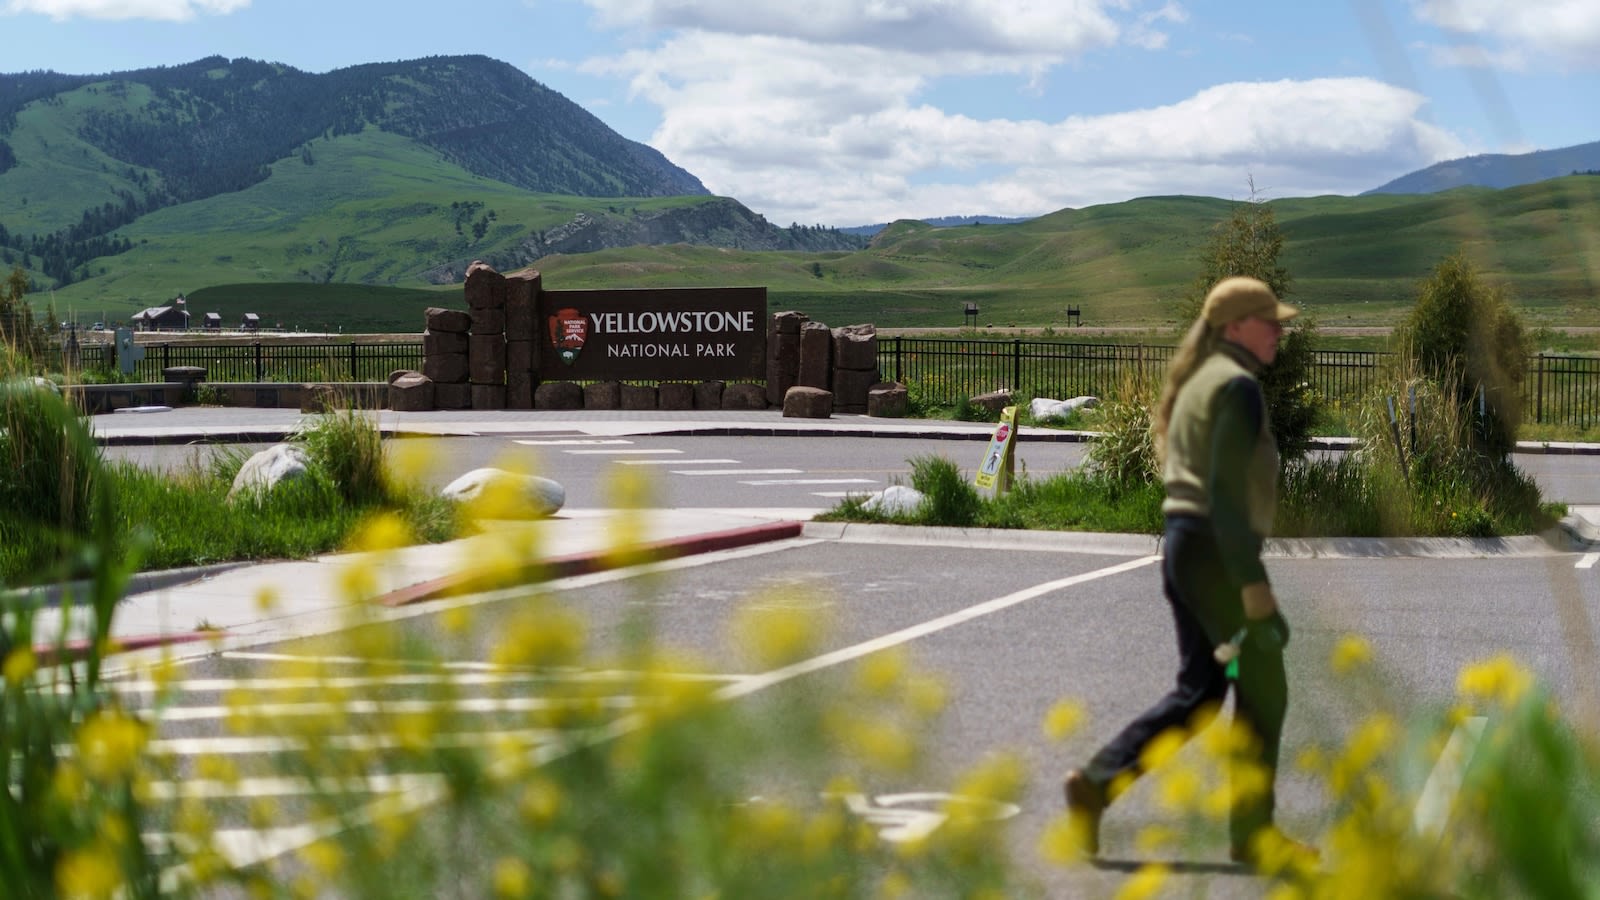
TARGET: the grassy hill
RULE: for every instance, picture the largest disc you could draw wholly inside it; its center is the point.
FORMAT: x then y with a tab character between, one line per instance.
376	210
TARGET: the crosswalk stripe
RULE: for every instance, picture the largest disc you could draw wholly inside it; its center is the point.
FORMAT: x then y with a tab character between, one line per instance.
675	462
625	451
812	481
565	442
376	707
738	472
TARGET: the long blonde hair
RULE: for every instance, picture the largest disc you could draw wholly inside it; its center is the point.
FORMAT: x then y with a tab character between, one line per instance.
1196	346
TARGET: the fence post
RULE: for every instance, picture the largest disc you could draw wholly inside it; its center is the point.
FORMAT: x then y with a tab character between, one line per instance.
353	361
259	377
166	356
897	374
1538	399
1016	365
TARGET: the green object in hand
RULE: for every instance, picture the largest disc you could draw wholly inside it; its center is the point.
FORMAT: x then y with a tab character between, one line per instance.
1232	670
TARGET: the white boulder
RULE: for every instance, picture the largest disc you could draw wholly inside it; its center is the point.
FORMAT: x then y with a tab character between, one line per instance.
895	500
1044	408
514	495
267	469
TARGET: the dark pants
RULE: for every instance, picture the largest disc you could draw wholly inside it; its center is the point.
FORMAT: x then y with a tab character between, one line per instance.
1207	610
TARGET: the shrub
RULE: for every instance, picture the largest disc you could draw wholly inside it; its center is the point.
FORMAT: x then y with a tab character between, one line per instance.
1464	335
1125	452
48	470
951	498
346	445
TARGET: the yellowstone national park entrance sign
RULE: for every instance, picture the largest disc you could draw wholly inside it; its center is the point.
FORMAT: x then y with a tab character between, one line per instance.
671	334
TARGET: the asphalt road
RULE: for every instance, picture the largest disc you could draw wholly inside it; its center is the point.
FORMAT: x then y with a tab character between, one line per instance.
767	472
1013	632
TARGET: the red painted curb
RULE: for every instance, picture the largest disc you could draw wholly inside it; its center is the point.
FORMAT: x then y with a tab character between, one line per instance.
71	651
592	561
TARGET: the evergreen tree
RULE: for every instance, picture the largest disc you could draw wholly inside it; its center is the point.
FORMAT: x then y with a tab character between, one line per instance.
1248	243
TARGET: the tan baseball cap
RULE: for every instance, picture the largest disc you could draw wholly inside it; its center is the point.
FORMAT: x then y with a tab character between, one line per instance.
1241	298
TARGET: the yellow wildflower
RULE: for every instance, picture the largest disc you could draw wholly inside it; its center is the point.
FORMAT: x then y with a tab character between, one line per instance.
19	666
1352	652
512	878
323	856
91	872
777	635
1163	748
1063	720
384	531
1145	883
1500	679
110	743
1179	789
880	671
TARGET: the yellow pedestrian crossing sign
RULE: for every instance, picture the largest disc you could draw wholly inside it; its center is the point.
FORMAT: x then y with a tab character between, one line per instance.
999	458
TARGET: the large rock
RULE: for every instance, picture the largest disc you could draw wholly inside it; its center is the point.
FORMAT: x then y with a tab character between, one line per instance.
268	469
783	365
508	495
1044	408
487	360
889	400
807	403
994	401
519	390
675	395
895	500
788	322
519	356
488	396
638	396
563	395
850	388
855	347
457	395
451	321
446	368
489	321
602	395
744	395
708	395
411	392
484	288
522	297
437	342
816	356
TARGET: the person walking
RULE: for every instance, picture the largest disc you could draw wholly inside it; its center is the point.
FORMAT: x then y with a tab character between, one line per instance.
1219	466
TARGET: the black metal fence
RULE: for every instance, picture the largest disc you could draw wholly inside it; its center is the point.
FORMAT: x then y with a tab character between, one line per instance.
269	361
1559	390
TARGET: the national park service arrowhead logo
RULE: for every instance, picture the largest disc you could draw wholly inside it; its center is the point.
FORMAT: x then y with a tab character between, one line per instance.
568	330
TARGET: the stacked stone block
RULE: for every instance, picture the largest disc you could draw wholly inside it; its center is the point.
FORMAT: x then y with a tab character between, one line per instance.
522	362
855	366
486	292
445	348
816	356
783	354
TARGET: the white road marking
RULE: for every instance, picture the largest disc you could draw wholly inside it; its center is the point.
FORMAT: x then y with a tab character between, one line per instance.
811	481
246	847
641	451
932	626
676	462
566	442
838	495
1588	561
739	472
250	788
1432	813
379	707
358	743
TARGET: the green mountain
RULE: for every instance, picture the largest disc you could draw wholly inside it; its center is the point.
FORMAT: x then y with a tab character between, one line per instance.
1497	170
391	173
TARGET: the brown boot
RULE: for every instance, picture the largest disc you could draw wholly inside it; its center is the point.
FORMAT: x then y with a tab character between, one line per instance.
1085	803
1271	852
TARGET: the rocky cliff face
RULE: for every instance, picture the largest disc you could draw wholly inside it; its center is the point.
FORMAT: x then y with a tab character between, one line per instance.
718	222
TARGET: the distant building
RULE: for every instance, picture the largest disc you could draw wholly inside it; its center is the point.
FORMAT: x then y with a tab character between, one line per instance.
212	322
252	322
161	318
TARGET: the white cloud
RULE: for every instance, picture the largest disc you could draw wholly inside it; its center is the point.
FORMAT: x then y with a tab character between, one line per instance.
1565	32
1048	27
163	10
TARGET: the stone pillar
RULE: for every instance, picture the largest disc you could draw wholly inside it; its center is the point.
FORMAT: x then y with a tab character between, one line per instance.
485	292
783	354
816	357
522	361
855	367
444	356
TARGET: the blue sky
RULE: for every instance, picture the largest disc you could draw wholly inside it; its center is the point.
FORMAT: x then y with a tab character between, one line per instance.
847	112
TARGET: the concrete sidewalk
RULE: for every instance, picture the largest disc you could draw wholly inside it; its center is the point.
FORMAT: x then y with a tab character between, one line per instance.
253	604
